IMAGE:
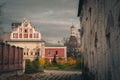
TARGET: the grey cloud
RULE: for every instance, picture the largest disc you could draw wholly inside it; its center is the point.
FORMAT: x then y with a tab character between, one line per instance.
52	18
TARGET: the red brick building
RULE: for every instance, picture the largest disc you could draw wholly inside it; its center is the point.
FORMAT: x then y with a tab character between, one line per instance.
58	50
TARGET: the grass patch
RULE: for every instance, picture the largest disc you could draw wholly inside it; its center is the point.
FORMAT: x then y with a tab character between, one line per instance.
63	67
52	67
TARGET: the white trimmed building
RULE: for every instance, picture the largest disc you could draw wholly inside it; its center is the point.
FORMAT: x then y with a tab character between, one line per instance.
24	35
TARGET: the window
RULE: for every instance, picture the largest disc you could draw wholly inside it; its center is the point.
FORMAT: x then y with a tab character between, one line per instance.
27	53
24	53
20	30
20	35
37	51
30	35
31	30
56	52
15	35
26	50
36	35
49	53
25	35
25	30
31	53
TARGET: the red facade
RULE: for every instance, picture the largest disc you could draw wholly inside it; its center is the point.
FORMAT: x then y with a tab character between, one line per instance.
60	52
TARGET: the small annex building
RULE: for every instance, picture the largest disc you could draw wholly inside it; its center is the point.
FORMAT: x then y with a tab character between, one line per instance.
55	49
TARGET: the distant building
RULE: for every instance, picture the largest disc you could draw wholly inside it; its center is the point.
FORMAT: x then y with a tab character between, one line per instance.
58	50
24	35
73	44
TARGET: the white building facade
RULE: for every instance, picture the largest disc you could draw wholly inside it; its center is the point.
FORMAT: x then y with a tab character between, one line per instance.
24	35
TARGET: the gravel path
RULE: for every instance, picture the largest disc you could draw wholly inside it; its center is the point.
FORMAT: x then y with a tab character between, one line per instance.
59	75
50	75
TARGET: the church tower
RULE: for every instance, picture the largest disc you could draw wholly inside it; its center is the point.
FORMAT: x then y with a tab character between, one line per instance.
73	45
73	31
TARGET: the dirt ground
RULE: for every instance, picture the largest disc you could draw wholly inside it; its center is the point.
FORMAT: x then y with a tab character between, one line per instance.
49	75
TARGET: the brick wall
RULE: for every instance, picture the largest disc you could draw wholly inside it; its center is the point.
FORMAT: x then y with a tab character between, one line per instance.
11	58
100	31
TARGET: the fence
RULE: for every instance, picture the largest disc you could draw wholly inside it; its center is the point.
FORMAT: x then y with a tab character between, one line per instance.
11	58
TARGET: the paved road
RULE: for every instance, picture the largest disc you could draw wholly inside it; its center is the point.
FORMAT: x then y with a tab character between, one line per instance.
59	75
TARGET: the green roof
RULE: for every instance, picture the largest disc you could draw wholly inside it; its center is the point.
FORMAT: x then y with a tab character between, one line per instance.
53	45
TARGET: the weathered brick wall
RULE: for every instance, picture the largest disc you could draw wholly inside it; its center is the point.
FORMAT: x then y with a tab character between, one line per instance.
11	58
100	30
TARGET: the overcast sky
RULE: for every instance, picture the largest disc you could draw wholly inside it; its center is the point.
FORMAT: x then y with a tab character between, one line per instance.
53	18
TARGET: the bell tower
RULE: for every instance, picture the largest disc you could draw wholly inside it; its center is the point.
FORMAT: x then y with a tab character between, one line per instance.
73	31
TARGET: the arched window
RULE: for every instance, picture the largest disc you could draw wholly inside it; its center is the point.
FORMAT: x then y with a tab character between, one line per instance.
26	50
37	51
26	30
31	53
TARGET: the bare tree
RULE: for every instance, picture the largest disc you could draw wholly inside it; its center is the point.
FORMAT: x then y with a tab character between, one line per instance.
65	41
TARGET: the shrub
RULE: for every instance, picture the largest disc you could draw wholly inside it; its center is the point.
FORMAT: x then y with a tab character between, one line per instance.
61	66
71	61
36	66
33	66
47	63
60	61
79	62
54	62
28	66
41	61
